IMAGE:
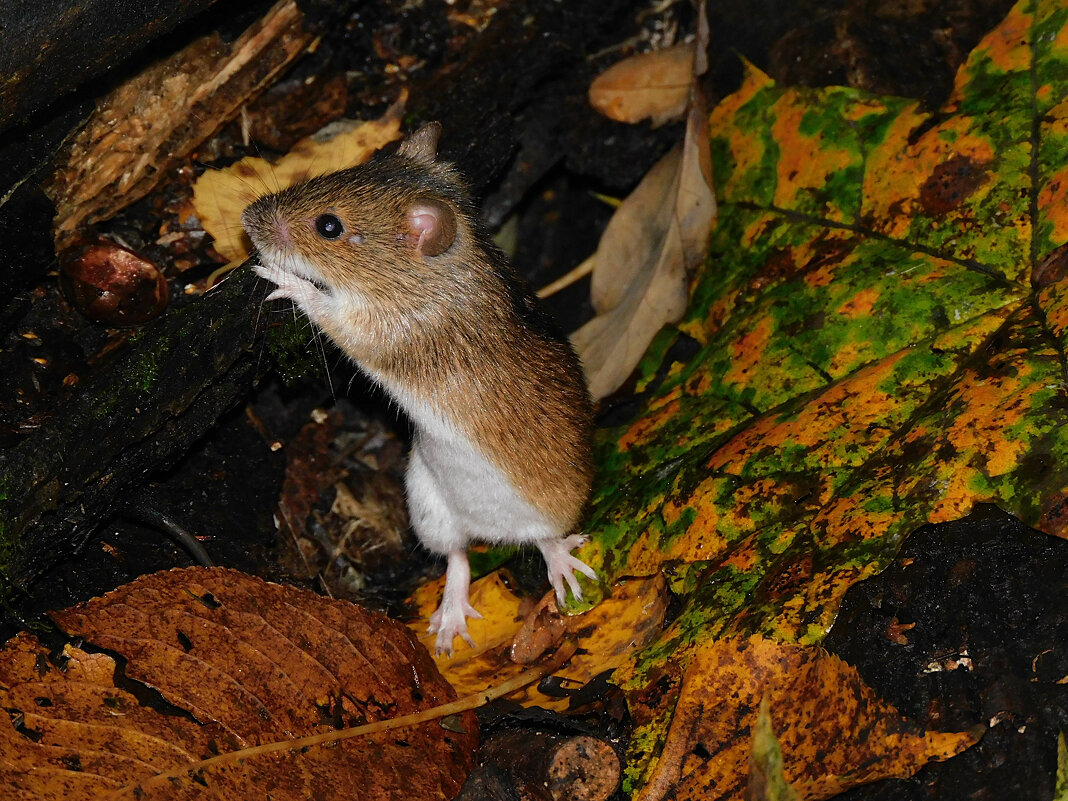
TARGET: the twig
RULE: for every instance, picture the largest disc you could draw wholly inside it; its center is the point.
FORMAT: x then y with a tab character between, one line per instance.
564	281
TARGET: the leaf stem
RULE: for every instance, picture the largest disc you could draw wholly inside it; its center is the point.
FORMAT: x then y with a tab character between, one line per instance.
468	702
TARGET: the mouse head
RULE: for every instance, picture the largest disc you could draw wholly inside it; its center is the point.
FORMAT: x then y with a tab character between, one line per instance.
390	226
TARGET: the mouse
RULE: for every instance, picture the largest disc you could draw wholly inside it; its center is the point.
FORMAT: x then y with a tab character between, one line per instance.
387	259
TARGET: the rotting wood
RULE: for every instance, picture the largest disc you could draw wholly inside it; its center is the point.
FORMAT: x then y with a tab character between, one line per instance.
575	766
149	124
49	48
139	414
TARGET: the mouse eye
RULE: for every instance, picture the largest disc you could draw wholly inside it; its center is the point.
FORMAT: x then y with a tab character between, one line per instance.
329	226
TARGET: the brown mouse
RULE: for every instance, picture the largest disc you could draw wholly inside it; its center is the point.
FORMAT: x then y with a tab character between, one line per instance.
386	259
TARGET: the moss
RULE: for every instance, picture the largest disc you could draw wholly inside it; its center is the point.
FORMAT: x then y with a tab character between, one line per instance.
294	352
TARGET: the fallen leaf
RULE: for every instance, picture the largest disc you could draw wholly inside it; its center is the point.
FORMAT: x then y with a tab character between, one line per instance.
512	633
880	345
652	246
234	663
502	615
220	196
834	732
649	250
628	620
654	86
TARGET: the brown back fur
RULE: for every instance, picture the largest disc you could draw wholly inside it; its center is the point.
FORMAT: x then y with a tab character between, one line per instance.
459	330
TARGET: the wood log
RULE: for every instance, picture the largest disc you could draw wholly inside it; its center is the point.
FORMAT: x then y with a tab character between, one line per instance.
138	415
49	48
573	767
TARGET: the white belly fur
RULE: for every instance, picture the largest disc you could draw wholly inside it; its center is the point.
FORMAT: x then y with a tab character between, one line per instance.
455	494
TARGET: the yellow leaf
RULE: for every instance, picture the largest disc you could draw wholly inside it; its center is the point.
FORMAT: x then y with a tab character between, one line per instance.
219	196
502	613
629	619
835	733
607	635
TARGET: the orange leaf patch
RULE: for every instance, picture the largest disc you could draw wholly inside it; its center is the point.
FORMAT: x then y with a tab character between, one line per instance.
224	662
835	733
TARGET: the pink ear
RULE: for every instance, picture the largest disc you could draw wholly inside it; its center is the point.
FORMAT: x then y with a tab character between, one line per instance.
431	227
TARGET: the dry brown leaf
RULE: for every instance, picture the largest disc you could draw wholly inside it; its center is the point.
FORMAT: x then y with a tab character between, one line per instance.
626	621
835	733
219	196
243	663
653	86
651	246
147	124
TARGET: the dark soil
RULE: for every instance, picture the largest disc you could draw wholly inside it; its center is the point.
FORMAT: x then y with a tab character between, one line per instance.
968	626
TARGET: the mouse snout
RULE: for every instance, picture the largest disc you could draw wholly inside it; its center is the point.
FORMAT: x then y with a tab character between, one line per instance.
255	212
262	221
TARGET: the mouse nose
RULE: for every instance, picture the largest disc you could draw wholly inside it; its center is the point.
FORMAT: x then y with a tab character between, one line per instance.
262	219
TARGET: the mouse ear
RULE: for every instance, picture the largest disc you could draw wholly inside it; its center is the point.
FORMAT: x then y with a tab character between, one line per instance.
423	144
431	227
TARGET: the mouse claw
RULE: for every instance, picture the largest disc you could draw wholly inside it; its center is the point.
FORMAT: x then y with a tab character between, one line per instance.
450	619
449	623
561	566
272	274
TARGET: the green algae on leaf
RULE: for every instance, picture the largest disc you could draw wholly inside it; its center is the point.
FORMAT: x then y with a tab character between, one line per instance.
881	334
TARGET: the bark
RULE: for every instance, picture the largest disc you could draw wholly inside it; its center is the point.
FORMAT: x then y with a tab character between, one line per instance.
138	415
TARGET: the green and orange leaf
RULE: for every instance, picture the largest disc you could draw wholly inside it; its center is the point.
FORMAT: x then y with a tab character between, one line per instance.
880	337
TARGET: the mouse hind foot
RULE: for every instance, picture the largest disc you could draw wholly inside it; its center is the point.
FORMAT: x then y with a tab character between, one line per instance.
561	565
450	619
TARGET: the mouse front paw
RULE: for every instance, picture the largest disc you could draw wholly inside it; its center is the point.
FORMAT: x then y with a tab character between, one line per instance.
303	293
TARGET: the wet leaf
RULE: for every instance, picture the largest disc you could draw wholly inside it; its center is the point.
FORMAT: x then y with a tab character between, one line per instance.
652	86
237	663
219	196
471	669
833	730
513	632
607	636
881	344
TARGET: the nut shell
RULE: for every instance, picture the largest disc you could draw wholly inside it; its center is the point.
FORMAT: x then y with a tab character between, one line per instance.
113	285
